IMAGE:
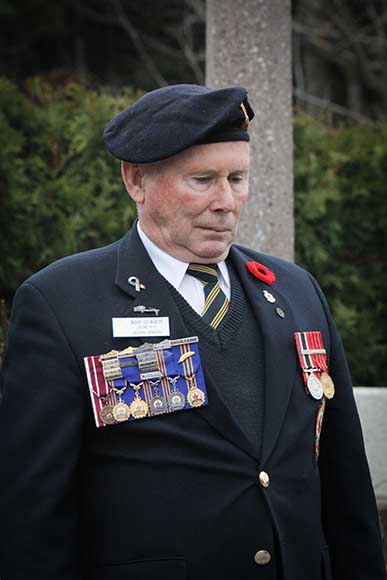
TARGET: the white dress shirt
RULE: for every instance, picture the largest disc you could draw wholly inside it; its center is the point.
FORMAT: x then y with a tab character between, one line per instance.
174	271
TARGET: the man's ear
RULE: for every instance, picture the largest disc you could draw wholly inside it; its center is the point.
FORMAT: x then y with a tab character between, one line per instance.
133	176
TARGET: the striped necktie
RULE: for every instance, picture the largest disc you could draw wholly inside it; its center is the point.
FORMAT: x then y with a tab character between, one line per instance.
216	303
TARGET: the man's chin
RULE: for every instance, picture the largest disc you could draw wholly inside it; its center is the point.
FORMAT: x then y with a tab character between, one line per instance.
212	252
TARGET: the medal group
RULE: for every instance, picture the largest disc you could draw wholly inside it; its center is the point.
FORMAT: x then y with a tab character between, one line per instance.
318	384
150	380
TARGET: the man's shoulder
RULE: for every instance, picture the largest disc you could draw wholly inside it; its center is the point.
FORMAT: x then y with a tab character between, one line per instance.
75	267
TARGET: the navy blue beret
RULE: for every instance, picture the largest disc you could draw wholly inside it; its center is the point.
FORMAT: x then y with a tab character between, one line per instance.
166	121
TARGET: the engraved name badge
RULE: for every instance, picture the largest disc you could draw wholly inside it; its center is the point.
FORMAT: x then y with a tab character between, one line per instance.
132	327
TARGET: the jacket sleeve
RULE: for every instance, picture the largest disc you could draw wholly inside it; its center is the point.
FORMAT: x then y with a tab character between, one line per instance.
349	511
41	418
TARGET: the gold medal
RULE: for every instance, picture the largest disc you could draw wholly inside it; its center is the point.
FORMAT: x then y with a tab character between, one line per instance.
327	385
138	408
106	415
121	412
196	397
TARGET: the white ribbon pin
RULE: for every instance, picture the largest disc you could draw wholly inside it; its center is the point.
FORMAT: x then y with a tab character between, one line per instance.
133	281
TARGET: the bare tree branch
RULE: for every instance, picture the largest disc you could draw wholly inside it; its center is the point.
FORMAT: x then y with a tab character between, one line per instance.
156	44
198	7
124	22
332	107
375	82
351	38
192	60
324	46
298	64
94	15
184	36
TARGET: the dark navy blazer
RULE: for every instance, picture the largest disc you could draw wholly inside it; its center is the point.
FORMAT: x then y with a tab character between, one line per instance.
175	496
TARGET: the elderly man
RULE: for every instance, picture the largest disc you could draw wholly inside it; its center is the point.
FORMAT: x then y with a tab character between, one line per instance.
176	406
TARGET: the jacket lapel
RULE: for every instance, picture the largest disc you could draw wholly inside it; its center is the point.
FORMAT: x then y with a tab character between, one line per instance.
134	262
279	354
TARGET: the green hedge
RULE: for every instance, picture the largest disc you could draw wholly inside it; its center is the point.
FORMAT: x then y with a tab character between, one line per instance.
341	225
60	192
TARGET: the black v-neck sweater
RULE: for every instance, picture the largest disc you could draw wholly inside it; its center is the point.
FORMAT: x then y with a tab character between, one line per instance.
233	354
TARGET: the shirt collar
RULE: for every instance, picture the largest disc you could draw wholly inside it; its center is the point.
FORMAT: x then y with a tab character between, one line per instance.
171	268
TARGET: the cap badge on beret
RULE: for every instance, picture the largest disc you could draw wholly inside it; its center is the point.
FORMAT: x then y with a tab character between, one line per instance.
247	120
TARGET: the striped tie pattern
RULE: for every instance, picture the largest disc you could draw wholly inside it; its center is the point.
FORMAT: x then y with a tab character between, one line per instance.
216	303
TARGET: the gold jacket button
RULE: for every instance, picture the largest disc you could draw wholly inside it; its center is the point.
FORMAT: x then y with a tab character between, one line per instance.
264	479
262	557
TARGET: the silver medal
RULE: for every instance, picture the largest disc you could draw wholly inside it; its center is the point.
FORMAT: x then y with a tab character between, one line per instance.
176	401
158	405
314	386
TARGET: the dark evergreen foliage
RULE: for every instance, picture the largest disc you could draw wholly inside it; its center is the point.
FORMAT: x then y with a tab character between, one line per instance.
341	229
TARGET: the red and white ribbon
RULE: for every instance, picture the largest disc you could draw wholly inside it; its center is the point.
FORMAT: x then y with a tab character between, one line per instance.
99	388
311	353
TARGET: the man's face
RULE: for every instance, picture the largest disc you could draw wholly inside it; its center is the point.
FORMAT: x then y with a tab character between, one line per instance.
191	202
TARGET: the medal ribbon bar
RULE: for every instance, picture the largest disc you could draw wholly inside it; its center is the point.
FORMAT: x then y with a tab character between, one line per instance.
311	353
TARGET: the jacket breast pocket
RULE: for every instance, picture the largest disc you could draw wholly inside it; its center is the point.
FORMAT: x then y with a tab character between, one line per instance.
326	564
171	568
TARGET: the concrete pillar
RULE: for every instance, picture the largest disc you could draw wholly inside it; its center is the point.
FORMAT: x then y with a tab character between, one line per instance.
249	44
372	406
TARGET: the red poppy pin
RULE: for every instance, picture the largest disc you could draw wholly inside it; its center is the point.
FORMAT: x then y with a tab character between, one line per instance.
261	272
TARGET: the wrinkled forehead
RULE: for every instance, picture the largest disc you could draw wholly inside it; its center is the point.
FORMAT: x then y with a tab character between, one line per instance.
224	157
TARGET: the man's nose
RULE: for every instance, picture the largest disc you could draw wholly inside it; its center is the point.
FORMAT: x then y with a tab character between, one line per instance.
224	198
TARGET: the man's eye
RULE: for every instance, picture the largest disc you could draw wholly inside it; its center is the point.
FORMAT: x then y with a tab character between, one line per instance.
236	178
203	179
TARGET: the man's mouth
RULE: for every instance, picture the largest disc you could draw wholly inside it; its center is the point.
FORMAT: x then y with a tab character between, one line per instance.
217	229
